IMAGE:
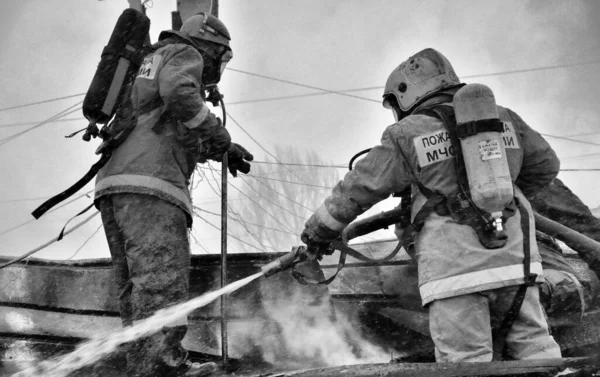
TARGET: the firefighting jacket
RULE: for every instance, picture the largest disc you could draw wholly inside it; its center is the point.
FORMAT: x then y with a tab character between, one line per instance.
451	260
159	156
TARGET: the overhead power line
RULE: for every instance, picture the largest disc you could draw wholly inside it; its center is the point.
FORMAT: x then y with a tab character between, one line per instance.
536	69
229	234
40	102
339	92
284	181
304	95
572	140
344	92
197	242
583	134
39	121
346	167
212	173
59	115
301	164
579	169
52	210
85	243
247	222
259	144
17	259
303	85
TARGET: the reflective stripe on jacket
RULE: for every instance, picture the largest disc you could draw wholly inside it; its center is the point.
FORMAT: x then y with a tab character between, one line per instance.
158	163
450	258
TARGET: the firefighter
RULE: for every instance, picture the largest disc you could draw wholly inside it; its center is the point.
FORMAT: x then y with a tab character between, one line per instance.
566	292
467	286
143	191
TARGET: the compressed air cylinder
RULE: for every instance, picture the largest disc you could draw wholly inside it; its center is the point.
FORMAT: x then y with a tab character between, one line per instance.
117	65
483	152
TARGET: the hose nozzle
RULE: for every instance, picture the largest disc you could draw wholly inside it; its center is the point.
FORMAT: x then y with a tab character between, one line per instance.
284	262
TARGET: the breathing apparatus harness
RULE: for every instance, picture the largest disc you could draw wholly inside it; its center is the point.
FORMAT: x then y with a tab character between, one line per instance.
459	204
461	208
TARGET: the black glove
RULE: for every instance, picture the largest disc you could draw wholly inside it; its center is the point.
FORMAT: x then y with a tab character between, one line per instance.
214	142
237	159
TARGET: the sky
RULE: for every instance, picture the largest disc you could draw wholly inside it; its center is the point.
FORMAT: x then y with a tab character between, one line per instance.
50	49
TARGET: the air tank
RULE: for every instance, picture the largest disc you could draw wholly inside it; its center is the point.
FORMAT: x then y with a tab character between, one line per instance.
119	63
483	152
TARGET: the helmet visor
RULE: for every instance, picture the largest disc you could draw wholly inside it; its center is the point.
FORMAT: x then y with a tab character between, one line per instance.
227	56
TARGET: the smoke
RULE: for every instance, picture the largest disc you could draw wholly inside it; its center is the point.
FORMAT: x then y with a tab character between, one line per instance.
304	330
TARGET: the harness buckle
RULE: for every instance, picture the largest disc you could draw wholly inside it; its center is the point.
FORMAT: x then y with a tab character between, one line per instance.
530	279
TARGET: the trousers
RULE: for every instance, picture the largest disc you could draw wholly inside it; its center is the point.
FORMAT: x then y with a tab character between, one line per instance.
461	327
150	251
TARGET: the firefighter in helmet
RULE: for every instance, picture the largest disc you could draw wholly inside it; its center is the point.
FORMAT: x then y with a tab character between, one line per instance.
468	285
143	191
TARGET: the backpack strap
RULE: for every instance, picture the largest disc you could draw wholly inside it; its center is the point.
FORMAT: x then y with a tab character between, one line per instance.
39	211
530	279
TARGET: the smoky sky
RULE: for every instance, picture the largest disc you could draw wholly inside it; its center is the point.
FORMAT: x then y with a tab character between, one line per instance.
50	49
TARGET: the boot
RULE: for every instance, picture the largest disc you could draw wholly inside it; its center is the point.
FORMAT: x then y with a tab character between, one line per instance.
200	369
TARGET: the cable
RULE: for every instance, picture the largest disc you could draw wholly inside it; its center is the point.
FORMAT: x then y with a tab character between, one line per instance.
247	222
15	260
301	95
342	92
40	102
302	85
36	122
300	164
270	201
85	243
24	199
244	224
280	194
581	156
583	134
573	140
284	181
278	205
212	170
229	234
52	210
531	69
198	243
260	145
59	115
264	210
579	169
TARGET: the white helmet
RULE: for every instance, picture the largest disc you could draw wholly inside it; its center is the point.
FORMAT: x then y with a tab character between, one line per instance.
421	76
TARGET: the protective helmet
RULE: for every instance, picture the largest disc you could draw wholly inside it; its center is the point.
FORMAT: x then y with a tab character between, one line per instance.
210	36
201	26
421	76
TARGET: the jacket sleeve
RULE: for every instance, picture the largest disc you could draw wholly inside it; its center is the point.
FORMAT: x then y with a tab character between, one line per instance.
383	171
180	85
540	163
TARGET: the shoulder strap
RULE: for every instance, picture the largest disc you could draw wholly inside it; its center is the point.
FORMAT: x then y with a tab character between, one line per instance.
446	115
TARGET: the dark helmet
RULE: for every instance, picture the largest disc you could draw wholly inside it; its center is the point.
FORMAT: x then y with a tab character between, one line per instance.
201	26
210	36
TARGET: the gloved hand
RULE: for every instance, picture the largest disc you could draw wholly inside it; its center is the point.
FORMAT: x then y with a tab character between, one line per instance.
237	159
318	238
215	143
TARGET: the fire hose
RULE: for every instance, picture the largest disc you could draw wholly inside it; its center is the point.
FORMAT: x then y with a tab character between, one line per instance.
587	249
356	229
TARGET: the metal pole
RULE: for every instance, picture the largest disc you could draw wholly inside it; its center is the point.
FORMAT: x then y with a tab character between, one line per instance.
224	257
